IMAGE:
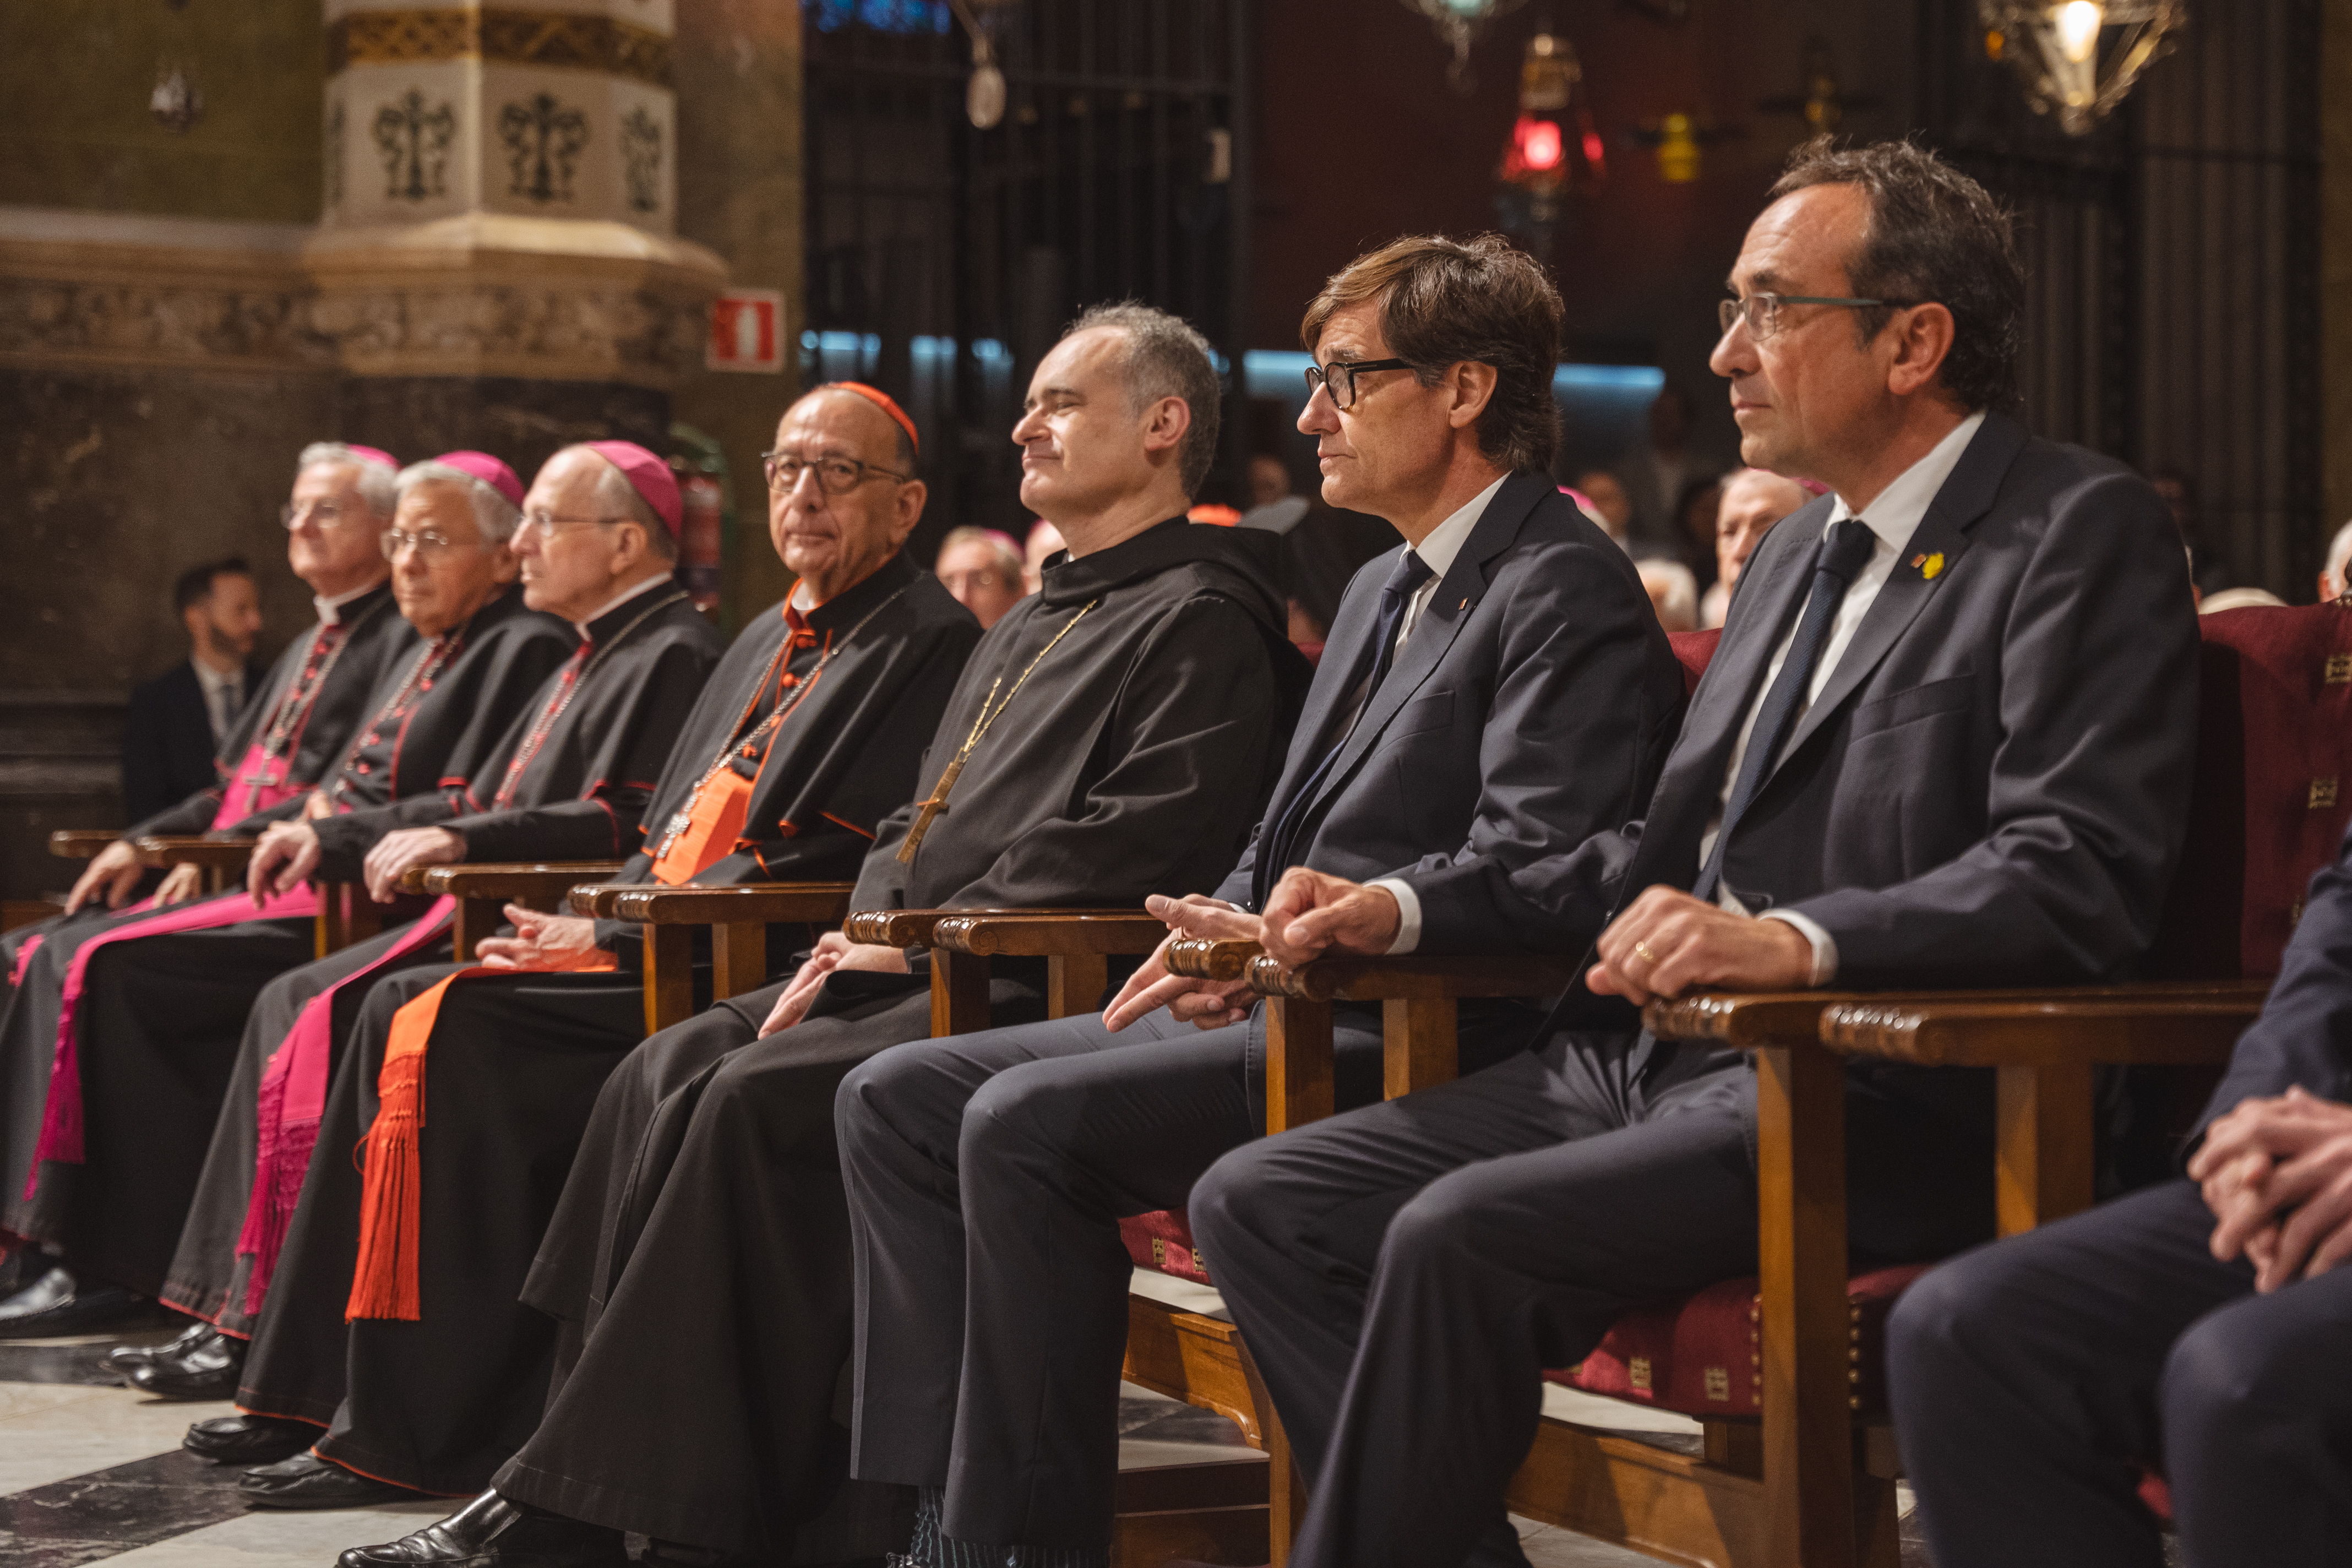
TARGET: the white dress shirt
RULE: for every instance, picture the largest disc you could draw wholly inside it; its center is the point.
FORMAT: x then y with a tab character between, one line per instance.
224	696
1893	518
1437	552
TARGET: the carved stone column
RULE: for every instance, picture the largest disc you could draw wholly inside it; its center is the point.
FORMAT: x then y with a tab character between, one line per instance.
496	263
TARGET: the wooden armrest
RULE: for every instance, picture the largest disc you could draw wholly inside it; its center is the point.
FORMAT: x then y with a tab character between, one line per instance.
595	899
217	853
1779	1016
820	903
2111	1026
1411	979
527	882
81	843
1210	958
912	928
1043	934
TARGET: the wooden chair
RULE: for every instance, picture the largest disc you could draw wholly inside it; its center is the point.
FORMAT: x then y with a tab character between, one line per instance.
346	914
1797	1463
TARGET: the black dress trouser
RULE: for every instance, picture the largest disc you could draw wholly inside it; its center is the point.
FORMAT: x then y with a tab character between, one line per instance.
2034	1378
1404	1273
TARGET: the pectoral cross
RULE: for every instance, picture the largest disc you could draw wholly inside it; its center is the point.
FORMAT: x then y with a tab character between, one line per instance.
929	813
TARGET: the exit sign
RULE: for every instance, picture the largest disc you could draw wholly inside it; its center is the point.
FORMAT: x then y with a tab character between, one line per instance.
747	330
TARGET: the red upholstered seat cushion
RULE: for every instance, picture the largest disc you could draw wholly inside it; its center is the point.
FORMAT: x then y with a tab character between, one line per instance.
1702	1355
1163	1242
1693	650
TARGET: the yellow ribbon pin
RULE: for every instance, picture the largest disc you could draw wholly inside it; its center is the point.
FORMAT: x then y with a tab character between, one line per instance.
1929	565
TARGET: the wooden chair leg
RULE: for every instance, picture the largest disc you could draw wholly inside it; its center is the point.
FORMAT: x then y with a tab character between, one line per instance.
326	928
669	977
1298	1062
1809	1460
2042	1152
476	918
959	992
1418	1045
1075	983
362	916
739	958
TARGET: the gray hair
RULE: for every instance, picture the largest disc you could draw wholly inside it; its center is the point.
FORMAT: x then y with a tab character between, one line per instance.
617	498
1001	546
1166	358
1677	592
494	514
376	485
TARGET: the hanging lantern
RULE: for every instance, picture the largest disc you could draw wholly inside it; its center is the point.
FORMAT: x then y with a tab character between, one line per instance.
2079	59
1678	150
1459	23
1821	98
983	93
1555	148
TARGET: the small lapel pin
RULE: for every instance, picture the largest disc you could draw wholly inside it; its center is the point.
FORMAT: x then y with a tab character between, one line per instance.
1464	604
1929	565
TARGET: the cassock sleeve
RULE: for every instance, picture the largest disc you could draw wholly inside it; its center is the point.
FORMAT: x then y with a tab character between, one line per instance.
602	824
1189	740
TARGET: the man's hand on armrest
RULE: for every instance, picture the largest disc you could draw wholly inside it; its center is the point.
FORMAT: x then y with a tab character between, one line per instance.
542	944
2277	1174
111	874
834	950
282	861
1309	914
1667	943
1204	1004
395	853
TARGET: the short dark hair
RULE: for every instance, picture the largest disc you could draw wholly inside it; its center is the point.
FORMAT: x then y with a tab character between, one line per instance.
1934	234
1167	358
1444	301
196	585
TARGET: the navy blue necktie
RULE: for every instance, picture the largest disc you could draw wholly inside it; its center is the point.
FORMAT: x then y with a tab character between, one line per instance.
1842	555
1409	573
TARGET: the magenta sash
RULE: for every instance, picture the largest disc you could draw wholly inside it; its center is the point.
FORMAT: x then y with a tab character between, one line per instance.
294	1099
61	1126
251	789
32	944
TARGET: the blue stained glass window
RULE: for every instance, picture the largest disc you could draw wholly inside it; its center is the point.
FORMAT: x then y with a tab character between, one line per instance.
880	16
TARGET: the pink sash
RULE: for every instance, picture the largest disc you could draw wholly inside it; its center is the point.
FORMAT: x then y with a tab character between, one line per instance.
294	1099
61	1115
251	789
32	945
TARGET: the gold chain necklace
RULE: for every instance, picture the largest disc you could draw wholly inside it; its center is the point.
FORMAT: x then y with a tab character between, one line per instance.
980	727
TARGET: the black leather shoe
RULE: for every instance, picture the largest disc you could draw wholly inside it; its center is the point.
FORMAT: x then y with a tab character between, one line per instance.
206	1370
307	1481
492	1533
122	1358
248	1439
53	1305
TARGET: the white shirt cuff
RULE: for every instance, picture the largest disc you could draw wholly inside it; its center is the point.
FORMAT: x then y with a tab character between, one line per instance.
1408	936
1826	953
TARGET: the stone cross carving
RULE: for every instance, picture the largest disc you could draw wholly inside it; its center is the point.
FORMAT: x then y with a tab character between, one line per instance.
414	142
541	138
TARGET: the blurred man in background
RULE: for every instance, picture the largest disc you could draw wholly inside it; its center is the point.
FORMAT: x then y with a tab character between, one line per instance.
2331	575
178	719
1609	505
1674	593
985	570
1753	500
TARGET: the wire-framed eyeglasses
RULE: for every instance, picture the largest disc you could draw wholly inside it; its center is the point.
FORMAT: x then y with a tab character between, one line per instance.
1762	311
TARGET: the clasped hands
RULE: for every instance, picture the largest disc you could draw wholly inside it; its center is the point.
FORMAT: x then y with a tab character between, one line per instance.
2277	1174
1309	914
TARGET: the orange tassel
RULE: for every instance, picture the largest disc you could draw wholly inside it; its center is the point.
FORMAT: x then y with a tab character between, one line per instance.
384	1284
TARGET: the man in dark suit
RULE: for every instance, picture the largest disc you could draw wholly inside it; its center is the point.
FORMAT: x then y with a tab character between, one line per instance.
1492	694
1946	739
176	722
2202	1326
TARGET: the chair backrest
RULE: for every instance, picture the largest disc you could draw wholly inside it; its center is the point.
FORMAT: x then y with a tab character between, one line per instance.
2273	788
1693	650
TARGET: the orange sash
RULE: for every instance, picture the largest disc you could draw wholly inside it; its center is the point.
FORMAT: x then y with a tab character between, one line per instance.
712	830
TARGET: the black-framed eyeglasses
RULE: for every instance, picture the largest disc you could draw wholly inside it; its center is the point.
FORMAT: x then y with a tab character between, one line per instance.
1762	311
1339	377
429	543
834	476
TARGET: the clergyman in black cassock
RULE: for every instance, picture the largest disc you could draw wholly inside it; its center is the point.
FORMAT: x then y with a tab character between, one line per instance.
1947	742
574	787
160	1016
1446	755
822	714
2036	1382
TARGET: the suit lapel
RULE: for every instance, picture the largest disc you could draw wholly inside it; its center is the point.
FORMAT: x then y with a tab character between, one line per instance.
1450	608
1965	496
1343	658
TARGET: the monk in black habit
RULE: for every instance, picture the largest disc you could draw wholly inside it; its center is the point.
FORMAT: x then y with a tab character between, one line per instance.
118	1039
568	779
810	734
1114	737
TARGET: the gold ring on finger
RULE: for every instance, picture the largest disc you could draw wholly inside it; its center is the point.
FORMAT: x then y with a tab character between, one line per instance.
1642	950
